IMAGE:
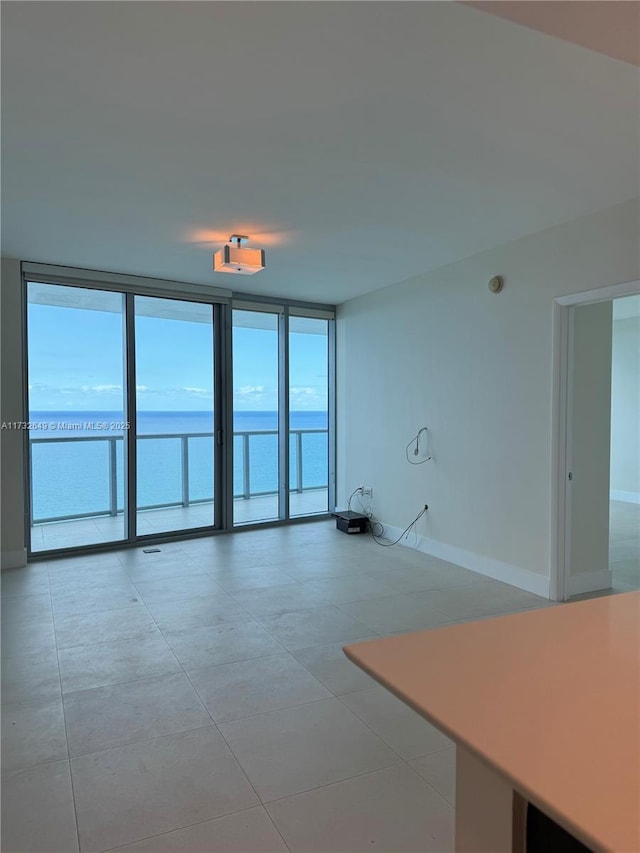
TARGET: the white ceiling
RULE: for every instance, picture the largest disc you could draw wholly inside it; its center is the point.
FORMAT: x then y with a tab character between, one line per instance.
359	143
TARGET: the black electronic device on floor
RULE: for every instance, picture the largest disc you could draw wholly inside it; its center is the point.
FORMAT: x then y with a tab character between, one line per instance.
351	522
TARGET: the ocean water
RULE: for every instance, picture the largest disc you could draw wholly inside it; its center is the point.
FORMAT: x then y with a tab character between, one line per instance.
72	477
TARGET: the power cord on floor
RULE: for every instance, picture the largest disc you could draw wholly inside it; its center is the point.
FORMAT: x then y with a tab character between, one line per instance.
405	532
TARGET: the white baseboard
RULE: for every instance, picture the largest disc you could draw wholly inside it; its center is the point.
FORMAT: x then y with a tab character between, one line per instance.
627	497
14	559
514	575
589	582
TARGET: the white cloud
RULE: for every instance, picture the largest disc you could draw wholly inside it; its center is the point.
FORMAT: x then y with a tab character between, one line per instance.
198	391
308	398
140	388
249	390
102	389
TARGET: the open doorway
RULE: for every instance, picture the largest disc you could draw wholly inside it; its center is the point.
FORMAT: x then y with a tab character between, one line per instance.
598	450
624	517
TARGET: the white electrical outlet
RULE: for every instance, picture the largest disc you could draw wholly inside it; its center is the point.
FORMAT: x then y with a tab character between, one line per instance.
367	491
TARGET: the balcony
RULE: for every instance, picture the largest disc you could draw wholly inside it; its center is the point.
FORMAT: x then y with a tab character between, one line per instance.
86	506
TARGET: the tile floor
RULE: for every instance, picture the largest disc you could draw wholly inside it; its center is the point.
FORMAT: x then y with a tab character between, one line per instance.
624	545
198	699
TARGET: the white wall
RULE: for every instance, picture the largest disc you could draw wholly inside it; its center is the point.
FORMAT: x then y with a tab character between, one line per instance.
440	350
625	410
12	536
590	443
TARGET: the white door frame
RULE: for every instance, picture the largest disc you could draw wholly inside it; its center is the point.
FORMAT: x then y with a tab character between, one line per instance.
560	557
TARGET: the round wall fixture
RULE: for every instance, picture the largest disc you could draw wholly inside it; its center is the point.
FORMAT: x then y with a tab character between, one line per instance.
496	284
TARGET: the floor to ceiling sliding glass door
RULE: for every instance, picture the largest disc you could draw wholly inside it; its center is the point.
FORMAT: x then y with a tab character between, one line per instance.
256	468
151	415
175	429
107	464
281	413
308	415
76	416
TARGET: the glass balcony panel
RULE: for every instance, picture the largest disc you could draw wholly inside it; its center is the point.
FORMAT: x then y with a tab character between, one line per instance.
159	484
200	468
70	478
263	466
315	455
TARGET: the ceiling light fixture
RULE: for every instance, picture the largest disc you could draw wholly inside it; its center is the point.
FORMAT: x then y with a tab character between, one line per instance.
237	258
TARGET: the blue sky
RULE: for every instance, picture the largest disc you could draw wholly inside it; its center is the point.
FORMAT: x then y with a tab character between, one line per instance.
76	364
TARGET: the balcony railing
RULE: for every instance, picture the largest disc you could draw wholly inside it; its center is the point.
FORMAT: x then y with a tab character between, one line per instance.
242	469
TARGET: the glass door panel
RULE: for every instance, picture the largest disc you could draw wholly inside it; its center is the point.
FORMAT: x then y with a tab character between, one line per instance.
308	416
175	446
255	416
76	370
